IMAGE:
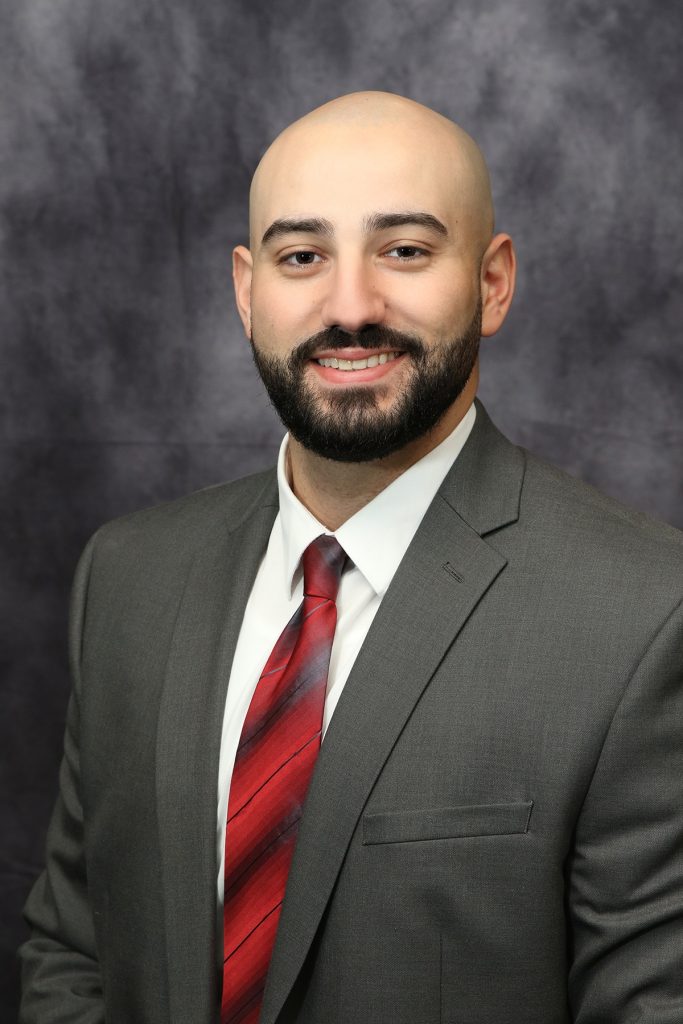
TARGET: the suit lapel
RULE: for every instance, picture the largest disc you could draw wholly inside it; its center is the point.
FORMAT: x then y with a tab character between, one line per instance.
443	576
188	748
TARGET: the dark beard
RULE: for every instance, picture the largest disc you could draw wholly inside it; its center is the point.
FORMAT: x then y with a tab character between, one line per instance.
352	428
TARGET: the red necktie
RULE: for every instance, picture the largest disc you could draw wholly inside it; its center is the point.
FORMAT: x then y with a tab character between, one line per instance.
275	758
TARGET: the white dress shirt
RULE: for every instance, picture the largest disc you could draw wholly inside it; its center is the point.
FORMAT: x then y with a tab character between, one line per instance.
375	539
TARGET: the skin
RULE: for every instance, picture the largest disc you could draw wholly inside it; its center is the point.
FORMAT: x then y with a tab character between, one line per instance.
351	160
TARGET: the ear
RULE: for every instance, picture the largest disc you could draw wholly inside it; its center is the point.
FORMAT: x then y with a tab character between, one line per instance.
242	266
498	267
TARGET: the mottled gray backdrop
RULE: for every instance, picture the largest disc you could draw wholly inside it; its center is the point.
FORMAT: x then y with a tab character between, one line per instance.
128	134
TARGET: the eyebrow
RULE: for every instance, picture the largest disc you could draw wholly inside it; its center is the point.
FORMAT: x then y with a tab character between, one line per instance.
382	221
303	226
374	222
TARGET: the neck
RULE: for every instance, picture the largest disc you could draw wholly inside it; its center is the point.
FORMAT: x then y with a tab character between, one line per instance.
335	491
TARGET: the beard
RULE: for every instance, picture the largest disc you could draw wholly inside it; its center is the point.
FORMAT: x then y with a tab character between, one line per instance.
349	425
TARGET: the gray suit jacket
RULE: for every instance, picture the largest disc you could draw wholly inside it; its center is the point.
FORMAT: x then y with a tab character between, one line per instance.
494	831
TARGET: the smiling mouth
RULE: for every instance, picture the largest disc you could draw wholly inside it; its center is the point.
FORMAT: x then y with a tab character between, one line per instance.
358	364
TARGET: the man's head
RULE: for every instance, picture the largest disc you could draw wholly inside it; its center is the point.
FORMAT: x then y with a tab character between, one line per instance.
371	274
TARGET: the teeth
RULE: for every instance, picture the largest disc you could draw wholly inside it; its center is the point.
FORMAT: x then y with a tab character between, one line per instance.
358	364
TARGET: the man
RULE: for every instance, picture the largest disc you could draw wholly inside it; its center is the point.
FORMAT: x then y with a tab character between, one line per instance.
493	826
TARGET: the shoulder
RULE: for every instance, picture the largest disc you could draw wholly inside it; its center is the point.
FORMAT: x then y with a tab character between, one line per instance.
590	534
511	496
187	523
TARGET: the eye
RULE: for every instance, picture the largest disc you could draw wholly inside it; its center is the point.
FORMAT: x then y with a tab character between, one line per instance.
406	252
301	258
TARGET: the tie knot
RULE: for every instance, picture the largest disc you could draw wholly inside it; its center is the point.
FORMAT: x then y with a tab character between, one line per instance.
323	562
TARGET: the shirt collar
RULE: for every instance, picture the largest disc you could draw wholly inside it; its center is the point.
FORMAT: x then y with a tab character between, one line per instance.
377	537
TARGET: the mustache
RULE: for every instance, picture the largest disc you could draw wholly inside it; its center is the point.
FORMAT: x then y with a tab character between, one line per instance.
375	336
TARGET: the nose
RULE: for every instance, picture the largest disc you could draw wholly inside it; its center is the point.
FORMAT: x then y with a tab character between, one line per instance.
352	300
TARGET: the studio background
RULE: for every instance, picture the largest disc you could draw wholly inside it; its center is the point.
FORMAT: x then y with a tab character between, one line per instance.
128	135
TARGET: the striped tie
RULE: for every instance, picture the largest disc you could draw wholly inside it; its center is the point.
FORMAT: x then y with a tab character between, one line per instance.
275	759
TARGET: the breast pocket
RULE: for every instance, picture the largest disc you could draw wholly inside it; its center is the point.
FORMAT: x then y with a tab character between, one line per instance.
447	823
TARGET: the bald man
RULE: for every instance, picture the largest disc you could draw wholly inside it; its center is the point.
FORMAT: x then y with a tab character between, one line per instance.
393	732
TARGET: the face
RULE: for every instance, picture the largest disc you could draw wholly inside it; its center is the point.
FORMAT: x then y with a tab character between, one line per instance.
362	294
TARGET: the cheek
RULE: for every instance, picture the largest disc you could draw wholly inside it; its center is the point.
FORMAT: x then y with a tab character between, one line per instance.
269	318
437	308
280	315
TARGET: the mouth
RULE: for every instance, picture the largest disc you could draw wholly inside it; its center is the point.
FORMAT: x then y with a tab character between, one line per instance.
367	362
353	367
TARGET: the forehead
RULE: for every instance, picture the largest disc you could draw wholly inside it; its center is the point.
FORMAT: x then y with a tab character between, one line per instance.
344	173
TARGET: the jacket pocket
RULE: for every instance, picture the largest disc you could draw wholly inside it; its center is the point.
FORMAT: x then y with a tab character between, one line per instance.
447	823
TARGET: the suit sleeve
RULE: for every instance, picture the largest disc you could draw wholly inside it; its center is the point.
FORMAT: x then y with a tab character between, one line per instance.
61	978
625	874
